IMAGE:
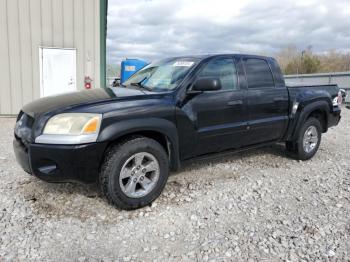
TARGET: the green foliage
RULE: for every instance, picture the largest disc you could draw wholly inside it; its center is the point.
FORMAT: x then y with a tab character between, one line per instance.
294	61
291	68
306	64
309	64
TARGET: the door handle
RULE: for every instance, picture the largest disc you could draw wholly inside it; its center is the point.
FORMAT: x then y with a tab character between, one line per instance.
278	99
235	102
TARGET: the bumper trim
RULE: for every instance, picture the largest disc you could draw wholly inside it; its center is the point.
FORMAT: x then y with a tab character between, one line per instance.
61	163
22	156
66	139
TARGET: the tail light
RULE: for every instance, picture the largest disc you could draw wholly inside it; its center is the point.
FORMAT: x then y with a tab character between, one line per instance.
338	100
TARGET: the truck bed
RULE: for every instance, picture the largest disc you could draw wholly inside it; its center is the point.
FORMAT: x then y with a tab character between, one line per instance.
298	85
311	91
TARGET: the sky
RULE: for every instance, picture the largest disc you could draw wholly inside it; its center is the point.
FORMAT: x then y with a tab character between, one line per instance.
154	29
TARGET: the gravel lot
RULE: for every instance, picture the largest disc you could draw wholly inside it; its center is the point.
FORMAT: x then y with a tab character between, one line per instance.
251	206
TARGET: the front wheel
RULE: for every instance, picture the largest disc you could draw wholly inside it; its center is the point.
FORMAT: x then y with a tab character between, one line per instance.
134	173
308	140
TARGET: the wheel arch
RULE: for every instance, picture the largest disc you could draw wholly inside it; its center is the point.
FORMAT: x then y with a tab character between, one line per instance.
318	110
161	130
322	116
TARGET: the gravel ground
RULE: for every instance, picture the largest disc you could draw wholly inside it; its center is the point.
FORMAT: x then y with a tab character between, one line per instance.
257	205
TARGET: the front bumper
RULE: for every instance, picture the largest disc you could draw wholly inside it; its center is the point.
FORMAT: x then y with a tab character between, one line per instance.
60	163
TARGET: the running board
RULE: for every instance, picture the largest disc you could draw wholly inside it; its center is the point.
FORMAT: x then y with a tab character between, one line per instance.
213	156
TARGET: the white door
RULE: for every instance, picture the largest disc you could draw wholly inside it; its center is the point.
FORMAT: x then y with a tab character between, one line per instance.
57	71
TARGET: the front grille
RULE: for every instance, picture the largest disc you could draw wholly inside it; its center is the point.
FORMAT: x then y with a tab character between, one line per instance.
23	128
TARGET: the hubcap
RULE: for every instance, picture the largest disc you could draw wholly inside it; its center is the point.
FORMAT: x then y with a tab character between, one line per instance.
139	175
310	139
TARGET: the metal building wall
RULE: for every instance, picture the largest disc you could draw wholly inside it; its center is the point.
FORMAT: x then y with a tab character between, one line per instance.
25	25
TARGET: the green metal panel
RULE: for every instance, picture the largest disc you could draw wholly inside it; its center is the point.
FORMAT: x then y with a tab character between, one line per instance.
103	36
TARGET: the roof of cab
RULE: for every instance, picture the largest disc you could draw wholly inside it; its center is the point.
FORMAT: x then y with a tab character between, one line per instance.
220	55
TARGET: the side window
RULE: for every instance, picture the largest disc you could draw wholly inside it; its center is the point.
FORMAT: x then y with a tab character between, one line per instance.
224	69
258	73
277	73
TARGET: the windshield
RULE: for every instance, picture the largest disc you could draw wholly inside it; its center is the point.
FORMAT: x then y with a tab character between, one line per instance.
162	75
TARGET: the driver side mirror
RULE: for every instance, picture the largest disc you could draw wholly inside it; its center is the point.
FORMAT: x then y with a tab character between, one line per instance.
207	84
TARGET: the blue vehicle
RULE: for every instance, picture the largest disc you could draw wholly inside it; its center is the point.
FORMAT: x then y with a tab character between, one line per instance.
130	67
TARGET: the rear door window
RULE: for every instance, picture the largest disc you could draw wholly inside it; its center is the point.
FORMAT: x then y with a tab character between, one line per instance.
258	73
277	73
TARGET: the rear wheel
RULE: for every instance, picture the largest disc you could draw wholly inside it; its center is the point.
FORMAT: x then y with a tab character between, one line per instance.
308	140
134	173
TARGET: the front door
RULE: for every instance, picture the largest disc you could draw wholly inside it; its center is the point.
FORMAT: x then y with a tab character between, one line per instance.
218	116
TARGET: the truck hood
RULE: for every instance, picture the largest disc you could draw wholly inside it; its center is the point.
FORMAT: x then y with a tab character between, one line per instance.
53	103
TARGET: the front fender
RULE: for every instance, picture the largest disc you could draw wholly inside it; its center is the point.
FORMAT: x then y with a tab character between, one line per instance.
119	129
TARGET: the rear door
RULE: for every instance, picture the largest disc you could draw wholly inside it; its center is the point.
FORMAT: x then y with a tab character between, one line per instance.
267	103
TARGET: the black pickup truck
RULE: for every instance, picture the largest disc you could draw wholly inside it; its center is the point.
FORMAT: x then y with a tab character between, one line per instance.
128	138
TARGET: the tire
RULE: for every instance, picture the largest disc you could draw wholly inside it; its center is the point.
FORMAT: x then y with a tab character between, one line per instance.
133	159
297	149
290	147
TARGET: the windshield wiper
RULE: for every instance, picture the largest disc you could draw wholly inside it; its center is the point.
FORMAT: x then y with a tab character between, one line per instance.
139	84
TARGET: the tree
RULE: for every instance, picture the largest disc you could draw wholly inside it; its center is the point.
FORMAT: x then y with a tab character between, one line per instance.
334	61
286	58
294	61
292	67
309	64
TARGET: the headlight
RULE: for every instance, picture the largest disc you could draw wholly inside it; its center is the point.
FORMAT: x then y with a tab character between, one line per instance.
73	124
71	128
